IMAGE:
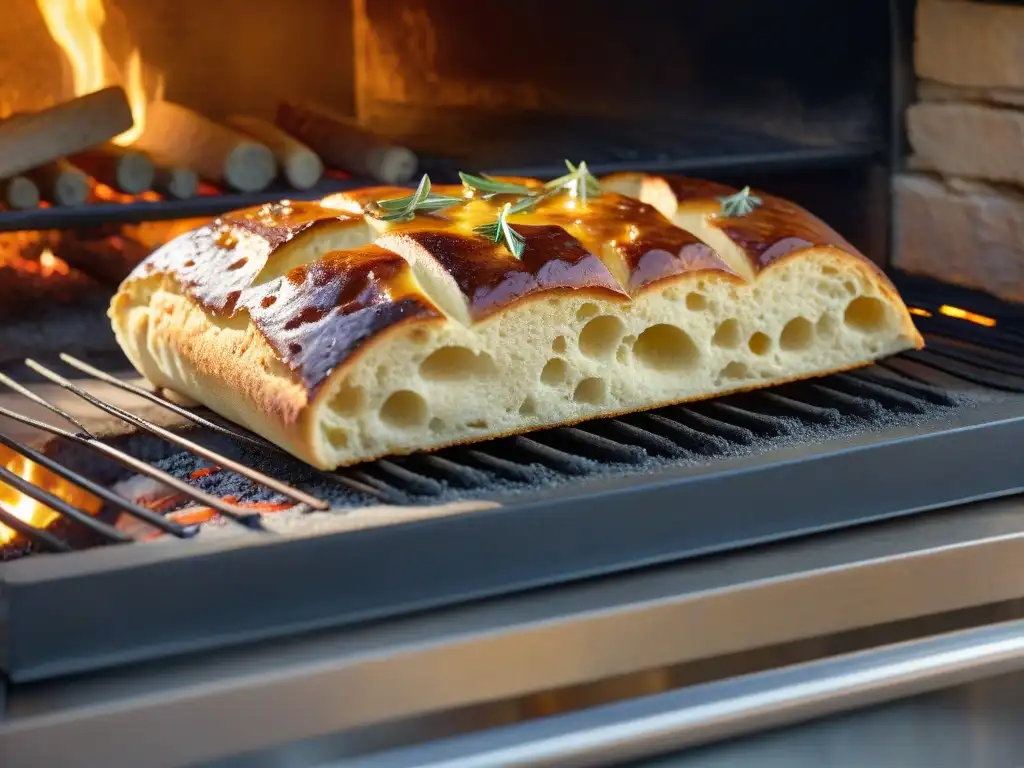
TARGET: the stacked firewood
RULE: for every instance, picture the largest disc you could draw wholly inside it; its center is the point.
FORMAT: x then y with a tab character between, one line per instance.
61	154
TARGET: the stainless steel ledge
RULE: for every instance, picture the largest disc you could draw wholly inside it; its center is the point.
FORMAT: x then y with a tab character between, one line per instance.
187	711
676	720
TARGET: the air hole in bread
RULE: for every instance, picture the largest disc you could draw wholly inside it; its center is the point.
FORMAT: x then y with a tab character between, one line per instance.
798	334
268	301
478	424
348	400
592	390
436	425
456	364
586	311
830	271
866	314
735	370
404	409
238	264
601	336
555	372
666	348
759	343
622	353
559	345
727	334
696	302
850	287
528	408
337	437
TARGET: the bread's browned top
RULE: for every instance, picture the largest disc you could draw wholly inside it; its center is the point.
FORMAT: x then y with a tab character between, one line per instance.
772	229
318	314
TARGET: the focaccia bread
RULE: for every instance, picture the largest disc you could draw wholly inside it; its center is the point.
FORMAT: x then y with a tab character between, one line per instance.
342	334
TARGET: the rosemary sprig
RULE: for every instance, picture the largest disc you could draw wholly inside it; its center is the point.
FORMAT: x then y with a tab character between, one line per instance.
420	201
531	201
580	183
489	187
740	204
500	231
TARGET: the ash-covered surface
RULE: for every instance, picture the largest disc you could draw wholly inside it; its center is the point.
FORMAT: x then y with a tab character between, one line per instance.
706	434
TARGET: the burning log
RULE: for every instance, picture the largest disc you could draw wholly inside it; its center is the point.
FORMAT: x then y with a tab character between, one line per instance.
176	181
301	166
216	153
19	193
31	276
125	169
61	183
30	140
346	146
103	253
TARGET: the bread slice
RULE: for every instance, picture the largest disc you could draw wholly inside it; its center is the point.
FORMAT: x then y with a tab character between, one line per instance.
343	337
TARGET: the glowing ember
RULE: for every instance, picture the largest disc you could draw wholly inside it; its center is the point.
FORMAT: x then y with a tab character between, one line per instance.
971	317
27	509
75	26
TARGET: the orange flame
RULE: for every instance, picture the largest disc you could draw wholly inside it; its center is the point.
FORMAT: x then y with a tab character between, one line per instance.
29	510
75	26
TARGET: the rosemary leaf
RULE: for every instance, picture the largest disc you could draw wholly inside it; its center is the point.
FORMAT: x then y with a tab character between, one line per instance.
488	187
579	182
405	208
740	204
500	231
527	204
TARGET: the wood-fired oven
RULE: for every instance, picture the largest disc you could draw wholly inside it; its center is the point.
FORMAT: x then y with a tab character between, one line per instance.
142	532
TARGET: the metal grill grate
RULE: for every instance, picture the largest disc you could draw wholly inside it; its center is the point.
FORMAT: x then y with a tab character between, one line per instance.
696	432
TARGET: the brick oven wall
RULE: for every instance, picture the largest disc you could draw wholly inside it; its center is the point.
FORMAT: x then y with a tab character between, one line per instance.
960	202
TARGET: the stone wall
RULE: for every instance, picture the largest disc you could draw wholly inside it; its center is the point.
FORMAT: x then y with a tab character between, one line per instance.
960	203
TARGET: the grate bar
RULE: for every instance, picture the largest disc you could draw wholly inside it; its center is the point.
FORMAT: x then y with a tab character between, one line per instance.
10	383
965	372
214	426
761	424
58	504
416	483
223	461
579	442
798	409
228	430
87	440
651	442
711	425
887	396
689	438
509	470
552	457
157	520
30	532
890	377
452	471
847	403
986	361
